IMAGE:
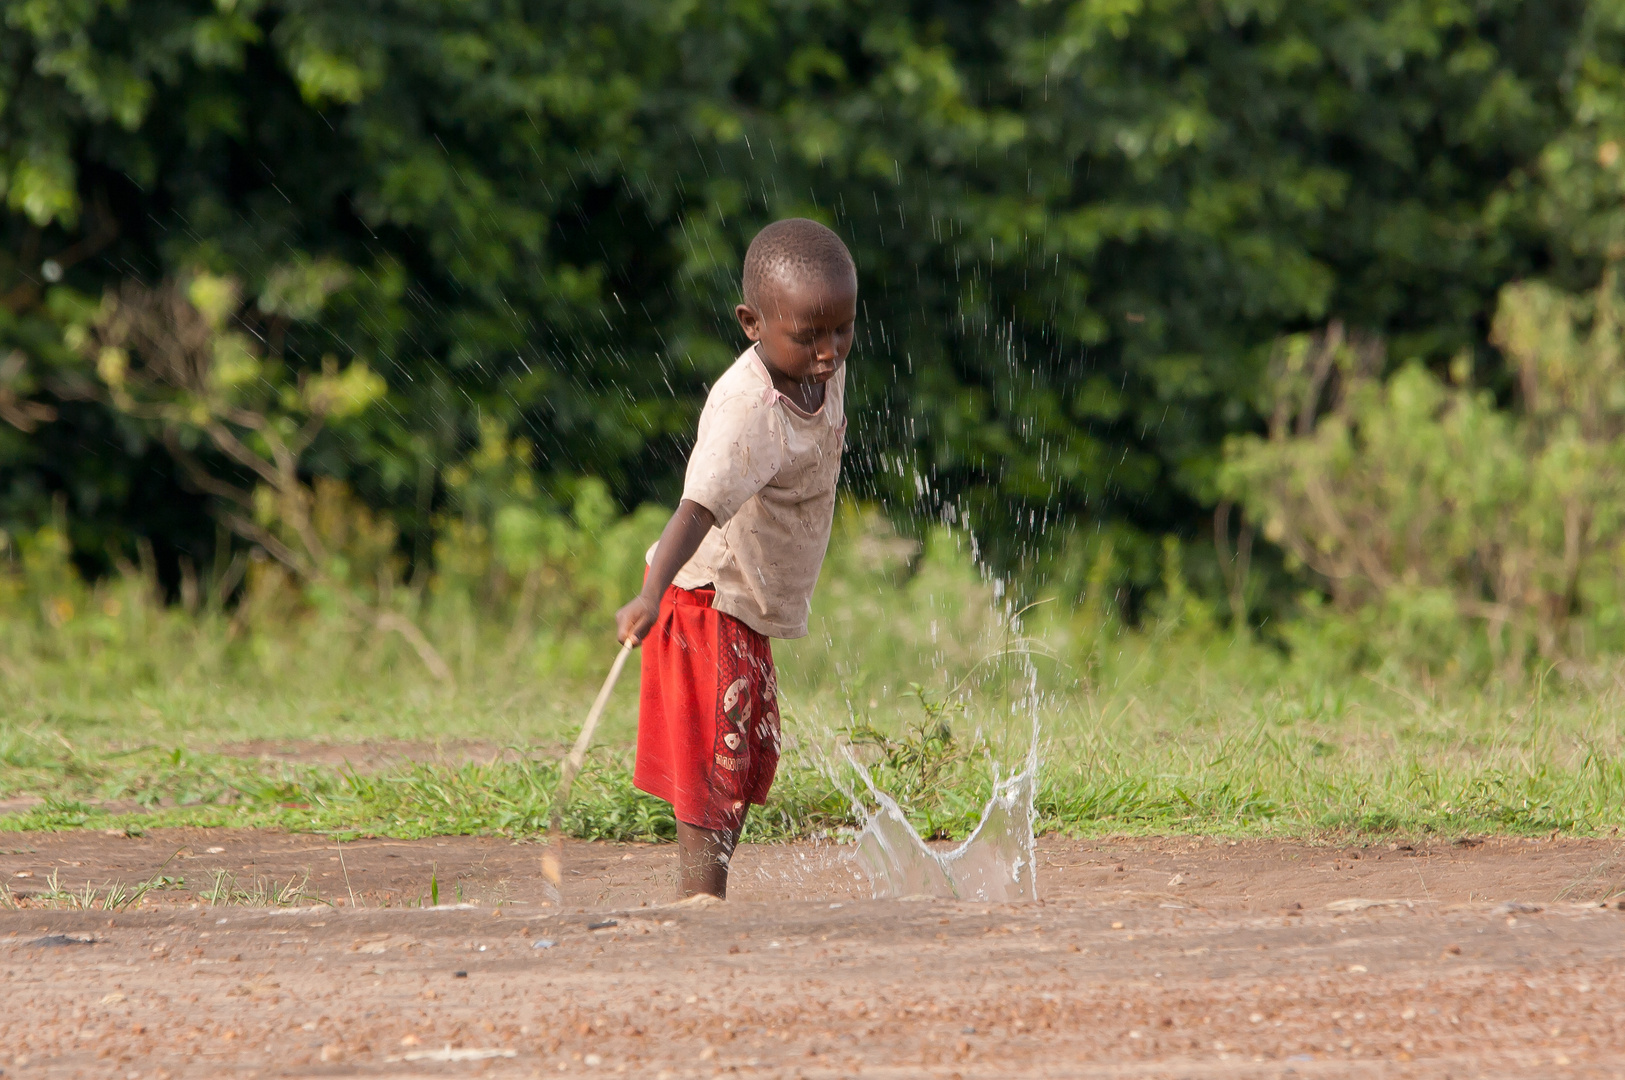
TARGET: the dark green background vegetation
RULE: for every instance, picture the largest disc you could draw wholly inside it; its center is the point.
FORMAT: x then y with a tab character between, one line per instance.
1080	227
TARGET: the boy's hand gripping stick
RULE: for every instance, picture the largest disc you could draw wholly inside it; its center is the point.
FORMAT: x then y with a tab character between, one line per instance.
551	861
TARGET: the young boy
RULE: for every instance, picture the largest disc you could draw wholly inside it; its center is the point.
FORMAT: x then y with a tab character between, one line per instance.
737	563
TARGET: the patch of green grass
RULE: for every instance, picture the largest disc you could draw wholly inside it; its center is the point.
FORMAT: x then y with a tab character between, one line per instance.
1175	728
1262	779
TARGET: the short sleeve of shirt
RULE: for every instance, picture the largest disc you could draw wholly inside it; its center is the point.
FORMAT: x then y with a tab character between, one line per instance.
738	450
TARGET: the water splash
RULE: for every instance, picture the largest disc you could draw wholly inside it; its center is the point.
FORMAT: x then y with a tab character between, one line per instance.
996	862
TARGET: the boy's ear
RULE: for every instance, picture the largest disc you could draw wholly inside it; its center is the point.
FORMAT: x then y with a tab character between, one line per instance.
750	321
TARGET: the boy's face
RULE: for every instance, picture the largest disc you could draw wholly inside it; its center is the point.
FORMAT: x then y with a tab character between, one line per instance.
802	329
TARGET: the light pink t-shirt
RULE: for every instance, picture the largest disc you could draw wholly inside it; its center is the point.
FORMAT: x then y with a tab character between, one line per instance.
767	471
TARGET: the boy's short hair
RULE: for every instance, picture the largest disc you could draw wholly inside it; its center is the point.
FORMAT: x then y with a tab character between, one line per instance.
793	250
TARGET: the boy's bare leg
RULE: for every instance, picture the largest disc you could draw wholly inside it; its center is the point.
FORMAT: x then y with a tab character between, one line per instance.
702	860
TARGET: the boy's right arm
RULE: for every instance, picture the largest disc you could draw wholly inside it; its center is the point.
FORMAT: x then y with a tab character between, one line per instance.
678	543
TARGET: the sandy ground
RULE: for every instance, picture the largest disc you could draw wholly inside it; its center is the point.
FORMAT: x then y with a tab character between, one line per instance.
1168	958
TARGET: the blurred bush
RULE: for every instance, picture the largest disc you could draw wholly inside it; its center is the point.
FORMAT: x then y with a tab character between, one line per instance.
1079	226
1446	530
496	611
1443	532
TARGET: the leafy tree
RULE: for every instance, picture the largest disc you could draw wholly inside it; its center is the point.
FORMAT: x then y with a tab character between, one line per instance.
1080	226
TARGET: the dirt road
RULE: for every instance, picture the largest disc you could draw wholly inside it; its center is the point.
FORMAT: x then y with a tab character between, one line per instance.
1146	958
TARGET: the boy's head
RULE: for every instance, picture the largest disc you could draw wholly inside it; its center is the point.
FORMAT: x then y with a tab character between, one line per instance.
801	299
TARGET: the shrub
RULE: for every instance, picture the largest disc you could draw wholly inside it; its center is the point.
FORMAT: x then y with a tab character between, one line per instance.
1457	533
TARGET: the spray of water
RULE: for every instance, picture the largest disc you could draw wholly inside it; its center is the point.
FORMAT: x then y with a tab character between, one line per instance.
996	862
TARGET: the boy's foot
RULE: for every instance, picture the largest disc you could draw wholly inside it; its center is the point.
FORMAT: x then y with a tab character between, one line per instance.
699	899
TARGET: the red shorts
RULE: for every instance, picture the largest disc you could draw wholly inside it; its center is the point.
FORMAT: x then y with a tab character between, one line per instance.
708	718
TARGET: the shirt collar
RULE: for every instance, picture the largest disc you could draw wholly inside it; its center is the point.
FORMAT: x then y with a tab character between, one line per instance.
772	396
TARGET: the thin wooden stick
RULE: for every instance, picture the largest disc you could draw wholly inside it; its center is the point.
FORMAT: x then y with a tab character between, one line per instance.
552	861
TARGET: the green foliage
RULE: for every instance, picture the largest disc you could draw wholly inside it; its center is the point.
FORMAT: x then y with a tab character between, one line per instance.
1079	228
1449	531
